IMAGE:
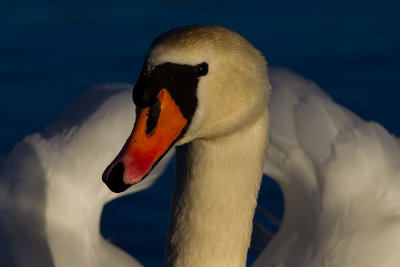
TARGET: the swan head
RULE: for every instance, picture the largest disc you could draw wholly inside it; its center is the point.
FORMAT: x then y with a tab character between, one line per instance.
198	81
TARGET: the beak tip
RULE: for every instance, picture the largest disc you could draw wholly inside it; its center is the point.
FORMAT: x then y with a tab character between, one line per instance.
113	178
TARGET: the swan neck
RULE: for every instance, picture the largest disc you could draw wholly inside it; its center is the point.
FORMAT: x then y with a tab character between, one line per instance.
216	188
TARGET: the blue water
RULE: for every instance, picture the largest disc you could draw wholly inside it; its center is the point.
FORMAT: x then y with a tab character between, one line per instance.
52	51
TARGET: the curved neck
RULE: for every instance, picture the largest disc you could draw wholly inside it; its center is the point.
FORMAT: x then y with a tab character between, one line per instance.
216	188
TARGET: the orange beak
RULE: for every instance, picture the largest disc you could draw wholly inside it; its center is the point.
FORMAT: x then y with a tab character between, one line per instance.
142	151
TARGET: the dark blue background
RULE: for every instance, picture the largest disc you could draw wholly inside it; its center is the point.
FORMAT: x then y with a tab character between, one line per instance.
51	51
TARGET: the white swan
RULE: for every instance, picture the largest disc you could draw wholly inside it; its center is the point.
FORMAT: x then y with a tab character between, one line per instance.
51	198
206	88
340	186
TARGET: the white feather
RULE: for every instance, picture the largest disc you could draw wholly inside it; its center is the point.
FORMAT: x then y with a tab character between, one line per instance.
340	179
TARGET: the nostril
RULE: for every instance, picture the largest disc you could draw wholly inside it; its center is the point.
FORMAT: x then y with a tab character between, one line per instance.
115	179
152	120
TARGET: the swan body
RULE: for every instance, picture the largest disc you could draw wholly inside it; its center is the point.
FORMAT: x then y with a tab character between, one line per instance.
339	174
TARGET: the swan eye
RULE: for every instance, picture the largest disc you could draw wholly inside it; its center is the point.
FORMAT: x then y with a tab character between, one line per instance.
202	69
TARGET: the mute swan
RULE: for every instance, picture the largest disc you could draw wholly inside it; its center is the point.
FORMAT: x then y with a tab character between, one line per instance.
340	186
205	90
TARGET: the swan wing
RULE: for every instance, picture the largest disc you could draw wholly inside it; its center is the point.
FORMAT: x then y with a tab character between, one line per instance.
340	178
51	193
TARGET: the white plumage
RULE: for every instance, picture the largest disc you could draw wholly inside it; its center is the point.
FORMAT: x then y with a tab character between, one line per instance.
52	196
339	176
340	179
